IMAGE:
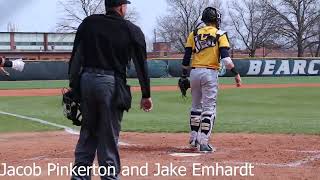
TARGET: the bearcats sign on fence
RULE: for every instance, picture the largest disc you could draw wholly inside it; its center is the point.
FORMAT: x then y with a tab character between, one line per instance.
58	70
284	67
278	67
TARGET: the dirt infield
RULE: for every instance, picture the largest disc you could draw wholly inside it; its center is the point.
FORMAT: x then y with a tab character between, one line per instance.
281	157
54	92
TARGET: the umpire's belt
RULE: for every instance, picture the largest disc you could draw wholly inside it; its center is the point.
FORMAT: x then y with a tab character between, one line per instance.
99	71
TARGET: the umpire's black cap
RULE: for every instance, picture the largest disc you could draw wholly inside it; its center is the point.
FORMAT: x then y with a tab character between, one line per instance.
115	3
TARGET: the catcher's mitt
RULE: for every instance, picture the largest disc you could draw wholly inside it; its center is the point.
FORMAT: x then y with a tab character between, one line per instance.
71	107
184	85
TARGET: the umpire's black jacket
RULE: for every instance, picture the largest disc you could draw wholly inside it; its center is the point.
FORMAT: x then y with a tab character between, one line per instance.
103	38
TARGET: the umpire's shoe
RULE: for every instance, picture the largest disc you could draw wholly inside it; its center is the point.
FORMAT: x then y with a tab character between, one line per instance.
206	148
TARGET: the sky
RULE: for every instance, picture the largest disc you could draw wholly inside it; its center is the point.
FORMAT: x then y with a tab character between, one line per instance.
43	15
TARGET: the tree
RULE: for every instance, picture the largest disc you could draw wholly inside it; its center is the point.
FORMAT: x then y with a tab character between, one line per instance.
183	18
314	43
317	41
77	10
297	19
252	24
132	14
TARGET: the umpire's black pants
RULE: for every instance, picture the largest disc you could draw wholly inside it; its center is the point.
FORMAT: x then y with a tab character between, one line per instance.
101	125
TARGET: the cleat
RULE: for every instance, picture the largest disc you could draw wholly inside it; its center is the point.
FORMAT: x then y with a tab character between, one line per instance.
206	148
193	143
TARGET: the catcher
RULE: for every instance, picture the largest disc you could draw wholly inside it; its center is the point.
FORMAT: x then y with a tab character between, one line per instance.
208	46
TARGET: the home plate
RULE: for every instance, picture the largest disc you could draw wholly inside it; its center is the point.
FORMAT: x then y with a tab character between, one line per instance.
185	154
124	144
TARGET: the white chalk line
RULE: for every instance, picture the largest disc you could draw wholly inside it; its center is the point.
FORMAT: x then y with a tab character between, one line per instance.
67	129
304	151
255	163
46	158
41	121
304	161
280	165
185	154
294	164
35	158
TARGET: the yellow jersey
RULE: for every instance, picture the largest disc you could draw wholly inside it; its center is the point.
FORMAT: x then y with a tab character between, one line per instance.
205	47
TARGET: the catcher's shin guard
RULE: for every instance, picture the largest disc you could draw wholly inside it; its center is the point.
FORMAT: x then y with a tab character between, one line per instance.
195	122
207	123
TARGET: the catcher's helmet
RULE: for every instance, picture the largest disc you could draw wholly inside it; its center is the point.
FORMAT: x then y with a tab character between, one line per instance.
114	3
211	15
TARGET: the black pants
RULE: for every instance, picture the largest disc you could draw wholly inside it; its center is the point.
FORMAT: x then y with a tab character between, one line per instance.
101	125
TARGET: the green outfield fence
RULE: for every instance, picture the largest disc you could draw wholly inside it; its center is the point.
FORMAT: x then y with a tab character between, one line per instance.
161	68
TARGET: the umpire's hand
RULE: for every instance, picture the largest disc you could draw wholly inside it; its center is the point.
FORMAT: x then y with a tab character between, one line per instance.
146	104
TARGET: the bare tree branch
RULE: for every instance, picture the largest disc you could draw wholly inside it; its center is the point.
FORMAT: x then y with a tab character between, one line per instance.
297	20
182	19
253	23
75	11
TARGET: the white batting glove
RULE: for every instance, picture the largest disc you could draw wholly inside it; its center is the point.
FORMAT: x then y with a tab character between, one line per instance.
18	65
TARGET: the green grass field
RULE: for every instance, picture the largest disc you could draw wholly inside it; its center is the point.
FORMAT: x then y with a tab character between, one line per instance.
12	124
291	110
160	82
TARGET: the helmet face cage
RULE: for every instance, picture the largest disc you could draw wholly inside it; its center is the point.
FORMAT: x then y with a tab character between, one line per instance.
211	14
71	109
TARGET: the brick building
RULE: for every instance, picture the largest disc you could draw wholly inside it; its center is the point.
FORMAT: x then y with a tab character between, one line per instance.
36	46
58	46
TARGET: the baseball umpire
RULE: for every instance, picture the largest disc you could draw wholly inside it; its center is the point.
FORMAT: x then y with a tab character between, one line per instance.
106	43
207	46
